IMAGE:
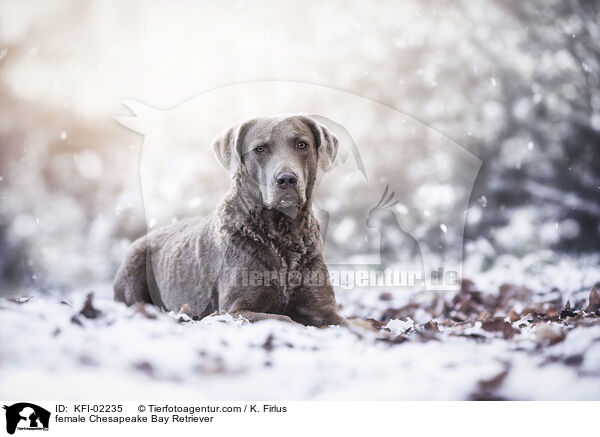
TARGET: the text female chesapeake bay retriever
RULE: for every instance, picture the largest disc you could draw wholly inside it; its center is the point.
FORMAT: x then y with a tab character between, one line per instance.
260	254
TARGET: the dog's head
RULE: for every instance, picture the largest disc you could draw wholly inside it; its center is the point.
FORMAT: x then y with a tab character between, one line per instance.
279	156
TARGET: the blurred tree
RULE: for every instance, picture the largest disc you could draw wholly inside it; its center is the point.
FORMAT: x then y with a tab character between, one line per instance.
546	155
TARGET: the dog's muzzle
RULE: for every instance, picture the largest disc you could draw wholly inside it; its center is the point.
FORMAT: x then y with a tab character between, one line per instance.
286	194
287	190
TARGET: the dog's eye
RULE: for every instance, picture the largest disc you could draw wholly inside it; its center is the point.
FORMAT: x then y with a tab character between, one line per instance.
301	145
260	149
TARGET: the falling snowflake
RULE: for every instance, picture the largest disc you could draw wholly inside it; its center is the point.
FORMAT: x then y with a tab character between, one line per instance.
443	228
483	201
63	135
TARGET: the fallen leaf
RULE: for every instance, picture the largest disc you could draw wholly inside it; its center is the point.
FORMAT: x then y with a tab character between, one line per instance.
268	344
486	388
549	335
495	382
498	324
552	314
594	301
574	360
431	326
400	313
567	313
88	310
142	309
467	285
368	324
187	310
385	296
399	339
144	367
375	323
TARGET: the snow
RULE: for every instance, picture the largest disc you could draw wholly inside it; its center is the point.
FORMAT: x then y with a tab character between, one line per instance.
50	350
506	87
400	326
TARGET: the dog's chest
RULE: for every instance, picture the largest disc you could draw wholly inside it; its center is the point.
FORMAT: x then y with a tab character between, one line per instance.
280	286
283	262
289	276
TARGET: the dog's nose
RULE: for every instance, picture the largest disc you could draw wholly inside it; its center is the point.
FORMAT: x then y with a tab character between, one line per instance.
286	180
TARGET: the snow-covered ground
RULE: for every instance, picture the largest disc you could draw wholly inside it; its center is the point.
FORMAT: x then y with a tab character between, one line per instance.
494	341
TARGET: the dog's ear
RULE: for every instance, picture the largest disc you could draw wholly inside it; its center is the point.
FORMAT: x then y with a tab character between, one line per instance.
228	146
327	143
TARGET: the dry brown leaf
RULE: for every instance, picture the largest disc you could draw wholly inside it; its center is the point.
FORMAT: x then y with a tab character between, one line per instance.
431	326
498	324
143	310
88	310
385	296
368	325
549	335
594	301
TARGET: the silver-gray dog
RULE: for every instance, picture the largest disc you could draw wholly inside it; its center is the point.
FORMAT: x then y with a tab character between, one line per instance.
260	254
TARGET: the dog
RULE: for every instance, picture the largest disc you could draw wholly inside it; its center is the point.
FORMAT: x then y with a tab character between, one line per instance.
260	255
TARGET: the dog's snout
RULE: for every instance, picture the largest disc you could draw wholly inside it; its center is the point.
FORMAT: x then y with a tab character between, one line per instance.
286	180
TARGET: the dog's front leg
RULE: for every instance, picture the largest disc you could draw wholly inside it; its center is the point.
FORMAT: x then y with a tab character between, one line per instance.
316	306
253	304
313	302
317	316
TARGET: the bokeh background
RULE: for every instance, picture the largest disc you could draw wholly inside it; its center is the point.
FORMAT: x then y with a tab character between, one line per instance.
515	84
